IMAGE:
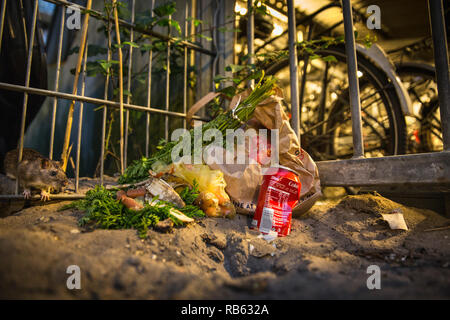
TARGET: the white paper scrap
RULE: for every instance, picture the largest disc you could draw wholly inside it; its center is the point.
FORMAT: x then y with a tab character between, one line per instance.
395	220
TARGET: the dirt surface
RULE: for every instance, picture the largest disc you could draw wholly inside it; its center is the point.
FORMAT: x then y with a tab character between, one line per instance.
325	256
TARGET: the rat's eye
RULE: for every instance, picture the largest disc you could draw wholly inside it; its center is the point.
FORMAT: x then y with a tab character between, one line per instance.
53	173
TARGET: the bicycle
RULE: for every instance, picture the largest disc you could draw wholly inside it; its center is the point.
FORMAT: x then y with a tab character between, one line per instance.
326	131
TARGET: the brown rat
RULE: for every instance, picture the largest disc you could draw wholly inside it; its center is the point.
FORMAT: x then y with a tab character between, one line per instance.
35	171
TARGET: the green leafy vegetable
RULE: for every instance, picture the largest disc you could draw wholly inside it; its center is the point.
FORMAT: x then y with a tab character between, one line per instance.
102	209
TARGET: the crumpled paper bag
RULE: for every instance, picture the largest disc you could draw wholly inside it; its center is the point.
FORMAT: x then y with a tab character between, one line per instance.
244	180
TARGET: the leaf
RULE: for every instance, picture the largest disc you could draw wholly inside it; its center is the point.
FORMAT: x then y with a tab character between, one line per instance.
229	91
146	47
196	22
330	58
145	20
204	37
169	22
234	68
175	25
218	78
166	9
309	50
131	44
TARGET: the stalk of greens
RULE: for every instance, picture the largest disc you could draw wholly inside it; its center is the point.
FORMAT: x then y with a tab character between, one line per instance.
138	170
102	209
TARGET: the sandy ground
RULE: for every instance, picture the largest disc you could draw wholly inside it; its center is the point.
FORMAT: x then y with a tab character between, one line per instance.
325	256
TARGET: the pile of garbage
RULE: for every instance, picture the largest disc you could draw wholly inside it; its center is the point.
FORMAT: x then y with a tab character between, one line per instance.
160	192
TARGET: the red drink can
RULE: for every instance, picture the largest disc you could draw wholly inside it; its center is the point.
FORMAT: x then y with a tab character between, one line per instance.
280	192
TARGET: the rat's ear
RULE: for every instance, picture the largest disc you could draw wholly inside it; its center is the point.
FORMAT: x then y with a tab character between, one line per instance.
45	163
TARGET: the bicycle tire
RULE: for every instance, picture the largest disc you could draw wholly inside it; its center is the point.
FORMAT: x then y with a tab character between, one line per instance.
427	71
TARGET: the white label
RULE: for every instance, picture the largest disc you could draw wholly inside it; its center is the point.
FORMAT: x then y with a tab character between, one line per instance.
266	220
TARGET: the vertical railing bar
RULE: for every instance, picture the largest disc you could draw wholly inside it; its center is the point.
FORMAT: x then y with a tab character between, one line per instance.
323	98
58	69
130	62
149	92
214	35
250	36
304	76
355	103
166	120
293	69
440	48
186	9
2	20
105	109
25	30
27	84
191	53
80	120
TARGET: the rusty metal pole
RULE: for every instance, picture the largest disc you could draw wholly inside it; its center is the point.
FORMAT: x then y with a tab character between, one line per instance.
251	36
441	61
355	103
293	69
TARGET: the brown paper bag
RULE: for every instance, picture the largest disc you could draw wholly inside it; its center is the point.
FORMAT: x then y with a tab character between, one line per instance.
244	180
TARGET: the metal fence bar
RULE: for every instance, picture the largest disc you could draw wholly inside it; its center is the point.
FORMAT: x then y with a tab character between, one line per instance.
304	75
293	69
129	25
2	21
27	84
251	36
185	62
105	109
58	69
149	93
80	121
69	96
130	63
438	31
355	103
166	118
38	197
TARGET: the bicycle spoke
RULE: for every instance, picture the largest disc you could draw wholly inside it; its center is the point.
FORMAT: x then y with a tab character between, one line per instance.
437	134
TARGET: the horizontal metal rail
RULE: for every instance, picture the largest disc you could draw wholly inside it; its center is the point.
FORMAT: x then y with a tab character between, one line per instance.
72	196
133	26
69	96
419	169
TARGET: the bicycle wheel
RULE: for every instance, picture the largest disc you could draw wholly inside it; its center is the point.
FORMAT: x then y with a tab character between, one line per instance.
326	127
424	126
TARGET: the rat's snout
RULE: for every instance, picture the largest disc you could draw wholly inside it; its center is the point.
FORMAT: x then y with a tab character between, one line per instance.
64	184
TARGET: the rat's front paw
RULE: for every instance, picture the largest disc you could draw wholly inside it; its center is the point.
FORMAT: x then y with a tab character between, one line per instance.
27	194
45	196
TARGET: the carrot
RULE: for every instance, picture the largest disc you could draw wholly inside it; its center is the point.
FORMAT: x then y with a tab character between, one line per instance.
120	194
134	193
131	203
